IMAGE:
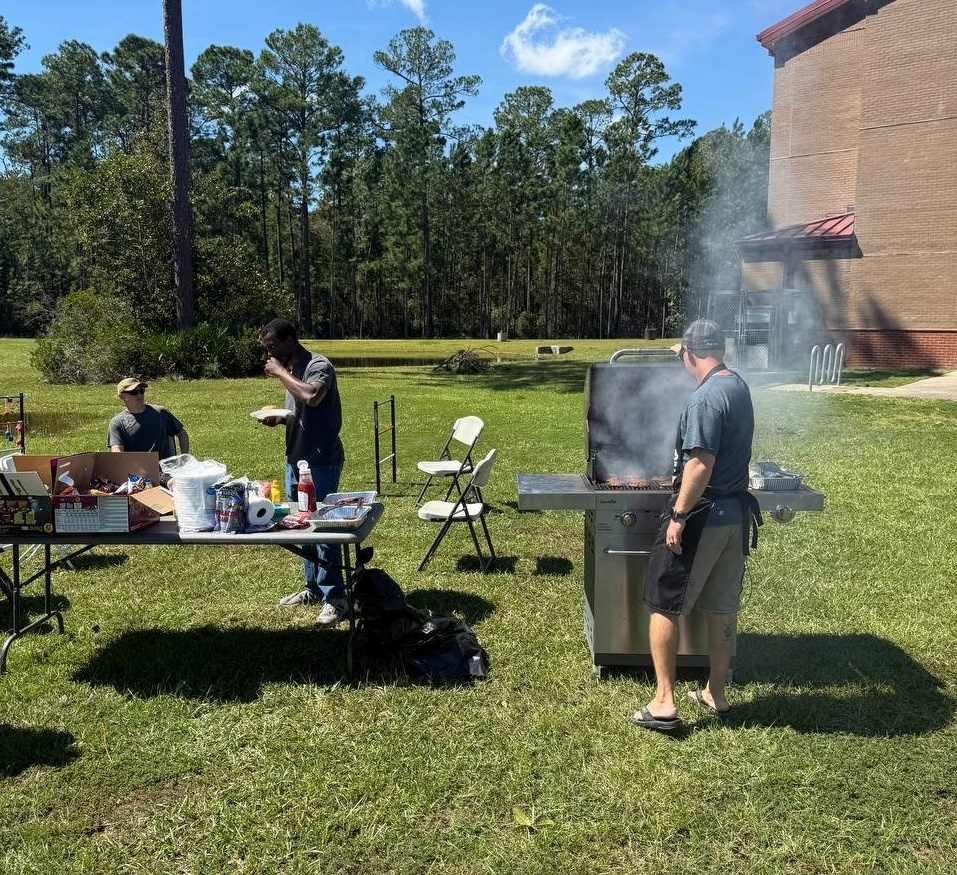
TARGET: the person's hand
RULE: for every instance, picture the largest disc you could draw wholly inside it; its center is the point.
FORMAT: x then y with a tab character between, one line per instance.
273	367
272	421
673	536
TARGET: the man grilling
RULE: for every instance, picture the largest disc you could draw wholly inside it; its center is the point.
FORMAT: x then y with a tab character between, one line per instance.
698	557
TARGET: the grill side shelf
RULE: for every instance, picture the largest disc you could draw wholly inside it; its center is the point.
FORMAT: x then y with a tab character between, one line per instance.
576	492
802	498
555	492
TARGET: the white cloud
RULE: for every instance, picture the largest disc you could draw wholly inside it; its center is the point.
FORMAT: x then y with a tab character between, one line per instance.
537	45
416	7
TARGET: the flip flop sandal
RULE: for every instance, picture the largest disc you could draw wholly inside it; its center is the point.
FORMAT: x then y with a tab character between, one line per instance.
647	720
698	697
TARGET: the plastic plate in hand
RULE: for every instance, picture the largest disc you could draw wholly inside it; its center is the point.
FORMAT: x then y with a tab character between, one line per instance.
270	413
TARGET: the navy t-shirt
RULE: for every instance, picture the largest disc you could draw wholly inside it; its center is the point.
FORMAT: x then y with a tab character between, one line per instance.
312	433
719	419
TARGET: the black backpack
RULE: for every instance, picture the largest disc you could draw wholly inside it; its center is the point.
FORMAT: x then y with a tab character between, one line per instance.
435	647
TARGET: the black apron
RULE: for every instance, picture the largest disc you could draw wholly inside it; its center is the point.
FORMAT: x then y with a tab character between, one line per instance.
666	582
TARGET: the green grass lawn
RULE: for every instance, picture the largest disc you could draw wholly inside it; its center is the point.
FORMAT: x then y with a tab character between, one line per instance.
184	723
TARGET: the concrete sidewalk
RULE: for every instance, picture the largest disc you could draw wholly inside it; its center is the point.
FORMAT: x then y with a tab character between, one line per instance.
944	387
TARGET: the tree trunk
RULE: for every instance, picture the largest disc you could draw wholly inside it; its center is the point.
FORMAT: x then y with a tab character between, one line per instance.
179	163
305	286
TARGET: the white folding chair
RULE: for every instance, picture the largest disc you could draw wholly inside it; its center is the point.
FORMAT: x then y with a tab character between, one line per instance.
469	509
466	431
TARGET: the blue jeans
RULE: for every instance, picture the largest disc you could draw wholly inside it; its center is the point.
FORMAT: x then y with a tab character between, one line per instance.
324	583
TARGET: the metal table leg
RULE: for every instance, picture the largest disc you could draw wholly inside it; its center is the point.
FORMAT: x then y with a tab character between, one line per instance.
350	608
48	612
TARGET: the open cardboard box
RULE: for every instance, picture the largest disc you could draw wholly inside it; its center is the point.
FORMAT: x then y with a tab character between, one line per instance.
67	477
25	504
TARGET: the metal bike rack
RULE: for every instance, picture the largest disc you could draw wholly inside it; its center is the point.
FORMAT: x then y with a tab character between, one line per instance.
827	365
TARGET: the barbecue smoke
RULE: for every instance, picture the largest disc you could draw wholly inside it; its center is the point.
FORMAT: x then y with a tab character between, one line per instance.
632	413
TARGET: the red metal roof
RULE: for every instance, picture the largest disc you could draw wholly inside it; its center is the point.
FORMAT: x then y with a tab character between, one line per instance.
830	229
799	19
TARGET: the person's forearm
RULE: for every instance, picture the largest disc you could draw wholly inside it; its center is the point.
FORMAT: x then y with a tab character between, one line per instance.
308	393
694	480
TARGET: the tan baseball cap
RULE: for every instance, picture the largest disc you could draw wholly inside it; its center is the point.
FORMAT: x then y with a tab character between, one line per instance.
128	385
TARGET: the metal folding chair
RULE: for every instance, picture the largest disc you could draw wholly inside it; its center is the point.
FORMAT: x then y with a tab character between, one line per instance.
469	509
466	432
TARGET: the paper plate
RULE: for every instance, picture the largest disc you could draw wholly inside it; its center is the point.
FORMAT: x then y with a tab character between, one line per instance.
270	412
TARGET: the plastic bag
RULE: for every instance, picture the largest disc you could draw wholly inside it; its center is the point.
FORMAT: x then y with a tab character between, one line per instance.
231	507
192	483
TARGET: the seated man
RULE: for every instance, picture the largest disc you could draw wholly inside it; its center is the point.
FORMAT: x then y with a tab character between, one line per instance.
144	427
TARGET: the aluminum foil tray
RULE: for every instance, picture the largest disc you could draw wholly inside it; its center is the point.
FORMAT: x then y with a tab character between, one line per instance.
342	516
771	477
776	484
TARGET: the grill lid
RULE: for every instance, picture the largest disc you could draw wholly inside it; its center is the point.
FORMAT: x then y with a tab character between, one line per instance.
631	419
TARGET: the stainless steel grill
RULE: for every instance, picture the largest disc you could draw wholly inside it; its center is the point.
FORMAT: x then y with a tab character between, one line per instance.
631	416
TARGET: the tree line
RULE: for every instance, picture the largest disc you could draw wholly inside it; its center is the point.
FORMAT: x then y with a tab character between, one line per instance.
358	215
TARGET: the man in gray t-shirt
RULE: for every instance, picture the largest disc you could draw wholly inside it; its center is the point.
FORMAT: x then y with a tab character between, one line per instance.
697	559
143	427
312	435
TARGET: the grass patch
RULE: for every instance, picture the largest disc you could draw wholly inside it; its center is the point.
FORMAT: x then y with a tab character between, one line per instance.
186	724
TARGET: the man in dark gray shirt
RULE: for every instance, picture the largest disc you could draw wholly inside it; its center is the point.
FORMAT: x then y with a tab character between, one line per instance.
697	560
143	427
312	435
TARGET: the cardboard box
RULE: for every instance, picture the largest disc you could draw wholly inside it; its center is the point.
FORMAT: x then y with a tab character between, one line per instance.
68	477
25	504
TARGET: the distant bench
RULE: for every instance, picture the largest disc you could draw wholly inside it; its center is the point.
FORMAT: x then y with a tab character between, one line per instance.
552	350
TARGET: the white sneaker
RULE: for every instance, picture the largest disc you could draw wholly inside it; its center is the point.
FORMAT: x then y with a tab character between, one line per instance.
332	613
298	599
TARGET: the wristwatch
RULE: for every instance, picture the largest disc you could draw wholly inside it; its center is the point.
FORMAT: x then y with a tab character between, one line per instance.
678	517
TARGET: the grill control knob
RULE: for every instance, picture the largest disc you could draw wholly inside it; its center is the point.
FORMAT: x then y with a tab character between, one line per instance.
782	513
628	519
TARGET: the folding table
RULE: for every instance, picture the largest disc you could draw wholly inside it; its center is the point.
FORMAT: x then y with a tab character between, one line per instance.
166	532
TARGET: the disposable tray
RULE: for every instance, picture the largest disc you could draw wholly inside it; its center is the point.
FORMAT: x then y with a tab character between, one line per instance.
349	498
343	516
771	477
777	484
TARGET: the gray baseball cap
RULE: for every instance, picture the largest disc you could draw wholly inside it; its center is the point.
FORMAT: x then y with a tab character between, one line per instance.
702	335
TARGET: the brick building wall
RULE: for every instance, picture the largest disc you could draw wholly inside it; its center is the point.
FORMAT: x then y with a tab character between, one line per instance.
865	117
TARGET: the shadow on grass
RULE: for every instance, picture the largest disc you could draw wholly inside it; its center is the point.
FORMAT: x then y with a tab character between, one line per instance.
98	561
553	565
451	602
232	665
212	664
22	748
855	684
501	565
31	606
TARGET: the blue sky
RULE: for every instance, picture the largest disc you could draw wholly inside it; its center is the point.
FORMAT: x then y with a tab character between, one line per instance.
570	46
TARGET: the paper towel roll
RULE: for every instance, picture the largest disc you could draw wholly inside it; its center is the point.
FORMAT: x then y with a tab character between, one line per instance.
260	511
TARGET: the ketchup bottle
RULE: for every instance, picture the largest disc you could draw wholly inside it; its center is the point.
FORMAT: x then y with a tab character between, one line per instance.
306	490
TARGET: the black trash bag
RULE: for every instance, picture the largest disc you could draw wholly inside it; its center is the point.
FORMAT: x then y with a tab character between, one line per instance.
381	609
436	648
445	649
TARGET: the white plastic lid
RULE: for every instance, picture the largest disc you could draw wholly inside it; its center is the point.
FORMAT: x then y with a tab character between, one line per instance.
302	465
